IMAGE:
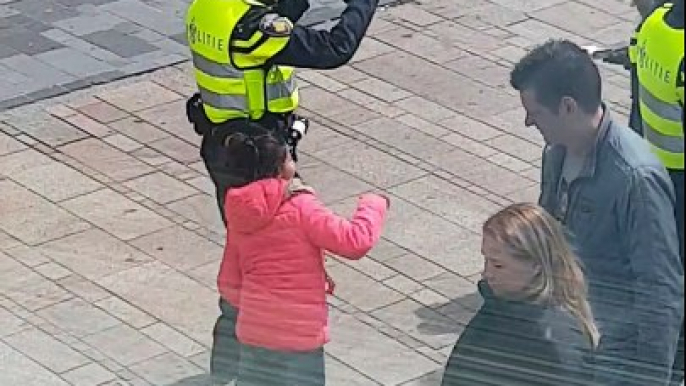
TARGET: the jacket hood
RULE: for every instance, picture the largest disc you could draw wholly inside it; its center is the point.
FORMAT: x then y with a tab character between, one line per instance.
252	207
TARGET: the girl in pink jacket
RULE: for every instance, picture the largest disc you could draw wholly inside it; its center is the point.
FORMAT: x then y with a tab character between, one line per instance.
273	267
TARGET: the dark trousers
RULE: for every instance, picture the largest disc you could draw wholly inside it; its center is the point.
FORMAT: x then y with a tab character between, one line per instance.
263	367
225	346
678	180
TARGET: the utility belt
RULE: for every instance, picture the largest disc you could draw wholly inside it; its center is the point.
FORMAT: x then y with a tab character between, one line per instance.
290	126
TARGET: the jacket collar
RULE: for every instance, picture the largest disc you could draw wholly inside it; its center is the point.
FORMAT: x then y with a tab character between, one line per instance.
558	152
603	130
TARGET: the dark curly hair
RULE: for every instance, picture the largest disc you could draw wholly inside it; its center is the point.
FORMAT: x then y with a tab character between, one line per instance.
558	69
255	154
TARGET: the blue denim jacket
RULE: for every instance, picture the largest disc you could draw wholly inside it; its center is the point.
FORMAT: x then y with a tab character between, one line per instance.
620	216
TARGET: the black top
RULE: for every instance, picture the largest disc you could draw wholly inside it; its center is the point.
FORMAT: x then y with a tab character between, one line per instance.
518	344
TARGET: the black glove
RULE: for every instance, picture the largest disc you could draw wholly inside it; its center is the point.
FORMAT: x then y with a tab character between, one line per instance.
196	114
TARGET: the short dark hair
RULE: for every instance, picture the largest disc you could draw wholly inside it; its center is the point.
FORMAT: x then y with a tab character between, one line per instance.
558	69
254	154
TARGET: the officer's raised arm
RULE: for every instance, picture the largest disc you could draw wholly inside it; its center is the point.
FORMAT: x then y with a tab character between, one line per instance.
321	49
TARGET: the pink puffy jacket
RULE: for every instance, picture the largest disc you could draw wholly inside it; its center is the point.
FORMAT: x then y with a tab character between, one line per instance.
273	266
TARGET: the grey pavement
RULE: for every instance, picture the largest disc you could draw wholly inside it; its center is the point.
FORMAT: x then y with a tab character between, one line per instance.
52	47
110	239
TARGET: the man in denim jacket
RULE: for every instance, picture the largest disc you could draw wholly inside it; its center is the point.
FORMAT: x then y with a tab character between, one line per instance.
617	201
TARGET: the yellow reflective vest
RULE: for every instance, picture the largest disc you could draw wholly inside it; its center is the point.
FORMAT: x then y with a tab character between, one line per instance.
233	76
657	52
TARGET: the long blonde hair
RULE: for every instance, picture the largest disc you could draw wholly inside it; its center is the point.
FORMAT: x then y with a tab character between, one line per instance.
528	232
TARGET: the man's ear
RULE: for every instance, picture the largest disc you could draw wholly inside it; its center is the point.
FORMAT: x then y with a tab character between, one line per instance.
568	106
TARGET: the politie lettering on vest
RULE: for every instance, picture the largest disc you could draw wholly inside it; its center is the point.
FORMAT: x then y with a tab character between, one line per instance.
197	36
653	65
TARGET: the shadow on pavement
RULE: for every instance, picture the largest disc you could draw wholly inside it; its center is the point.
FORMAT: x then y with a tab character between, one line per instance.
198	380
451	317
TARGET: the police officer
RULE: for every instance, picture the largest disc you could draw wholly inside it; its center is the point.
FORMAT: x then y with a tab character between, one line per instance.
657	57
244	53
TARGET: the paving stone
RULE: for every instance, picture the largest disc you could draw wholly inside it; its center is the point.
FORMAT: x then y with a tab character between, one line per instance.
9	145
422	125
143	14
123	143
409	140
36	70
381	90
321	79
83	288
205	274
509	162
139	96
369	267
55	181
429	297
419	322
420	44
125	345
371	165
414	266
176	149
78	317
484	71
123	218
88	24
10	323
125	312
172	339
47	221
166	369
456	288
28	256
106	159
351	285
46	350
433	238
159	290
8	242
151	156
35	292
433	378
338	373
171	117
179	248
374	354
90	374
447	200
103	112
330	183
138	129
586	19
160	187
121	44
402	284
69	40
487	175
425	109
20	370
29	42
74	62
469	145
52	271
201	209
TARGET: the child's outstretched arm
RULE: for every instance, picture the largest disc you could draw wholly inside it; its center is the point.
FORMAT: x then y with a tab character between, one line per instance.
351	239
